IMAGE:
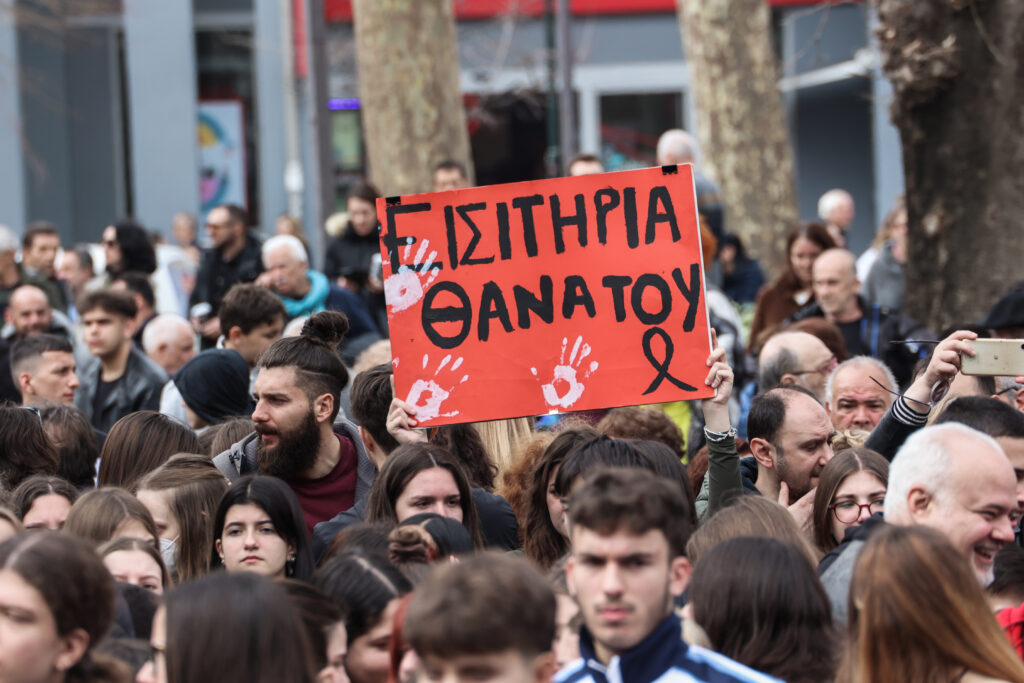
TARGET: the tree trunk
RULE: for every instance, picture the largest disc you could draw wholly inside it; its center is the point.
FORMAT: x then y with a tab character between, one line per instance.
409	86
956	70
740	121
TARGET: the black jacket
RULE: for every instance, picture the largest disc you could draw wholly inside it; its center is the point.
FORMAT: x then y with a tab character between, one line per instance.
879	327
138	389
216	275
349	255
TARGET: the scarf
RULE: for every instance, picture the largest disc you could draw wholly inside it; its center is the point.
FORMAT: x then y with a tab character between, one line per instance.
314	300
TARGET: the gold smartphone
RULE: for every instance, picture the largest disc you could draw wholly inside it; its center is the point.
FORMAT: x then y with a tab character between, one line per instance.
999	357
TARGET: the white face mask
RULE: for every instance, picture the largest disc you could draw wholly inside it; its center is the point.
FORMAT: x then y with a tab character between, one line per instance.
169	550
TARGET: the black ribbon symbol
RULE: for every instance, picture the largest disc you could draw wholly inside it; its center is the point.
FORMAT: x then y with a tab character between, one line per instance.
662	366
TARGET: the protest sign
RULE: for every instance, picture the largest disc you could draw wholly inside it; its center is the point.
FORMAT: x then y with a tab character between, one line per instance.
546	296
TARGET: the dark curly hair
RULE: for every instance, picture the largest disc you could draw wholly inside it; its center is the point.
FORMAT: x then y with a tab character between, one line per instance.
137	251
24	447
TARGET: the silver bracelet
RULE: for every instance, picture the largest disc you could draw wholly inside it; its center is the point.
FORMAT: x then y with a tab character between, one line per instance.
716	437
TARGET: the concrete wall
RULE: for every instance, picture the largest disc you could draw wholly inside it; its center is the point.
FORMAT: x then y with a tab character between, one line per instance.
12	175
44	107
96	138
834	149
160	55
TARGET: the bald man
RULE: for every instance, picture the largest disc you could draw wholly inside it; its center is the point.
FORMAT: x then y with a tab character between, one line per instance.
169	341
29	313
795	358
868	329
676	146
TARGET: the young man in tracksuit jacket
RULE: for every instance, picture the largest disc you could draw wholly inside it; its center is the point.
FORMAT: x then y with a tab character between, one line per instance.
627	562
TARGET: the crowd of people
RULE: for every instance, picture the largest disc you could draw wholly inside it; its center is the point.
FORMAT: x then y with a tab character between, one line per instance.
227	488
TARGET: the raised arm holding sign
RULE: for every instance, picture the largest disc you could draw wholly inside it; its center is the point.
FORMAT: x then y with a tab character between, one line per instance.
544	296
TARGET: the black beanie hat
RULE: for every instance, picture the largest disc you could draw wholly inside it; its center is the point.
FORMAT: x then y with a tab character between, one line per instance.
215	385
1008	311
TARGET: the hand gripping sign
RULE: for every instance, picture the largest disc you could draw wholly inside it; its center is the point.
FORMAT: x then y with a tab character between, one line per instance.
546	296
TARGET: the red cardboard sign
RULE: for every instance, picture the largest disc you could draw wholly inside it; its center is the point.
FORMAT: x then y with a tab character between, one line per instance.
546	296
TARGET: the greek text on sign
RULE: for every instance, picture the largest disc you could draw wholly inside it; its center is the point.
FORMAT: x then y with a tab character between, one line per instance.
556	295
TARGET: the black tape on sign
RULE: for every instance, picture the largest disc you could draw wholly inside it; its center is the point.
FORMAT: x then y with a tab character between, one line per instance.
669	169
394	201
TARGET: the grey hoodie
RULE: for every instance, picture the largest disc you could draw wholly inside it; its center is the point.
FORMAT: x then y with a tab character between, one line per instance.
240	459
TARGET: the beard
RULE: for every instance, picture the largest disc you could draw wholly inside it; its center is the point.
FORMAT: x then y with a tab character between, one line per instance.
797	489
294	453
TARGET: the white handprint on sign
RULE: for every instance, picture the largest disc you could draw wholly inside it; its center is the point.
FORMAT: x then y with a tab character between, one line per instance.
405	288
428	395
566	385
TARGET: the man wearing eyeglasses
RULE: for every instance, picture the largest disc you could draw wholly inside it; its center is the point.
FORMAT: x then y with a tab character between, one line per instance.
951	478
795	358
234	257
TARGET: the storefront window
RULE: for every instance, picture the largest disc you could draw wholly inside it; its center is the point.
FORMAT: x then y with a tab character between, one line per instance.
631	125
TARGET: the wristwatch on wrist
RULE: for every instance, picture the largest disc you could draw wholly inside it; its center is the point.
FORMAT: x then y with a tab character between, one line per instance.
715	437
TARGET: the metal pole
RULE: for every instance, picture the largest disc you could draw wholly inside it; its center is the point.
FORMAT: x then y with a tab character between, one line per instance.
566	108
553	162
321	178
293	176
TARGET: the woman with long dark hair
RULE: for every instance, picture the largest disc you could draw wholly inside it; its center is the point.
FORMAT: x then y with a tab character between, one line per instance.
422	477
127	247
182	495
259	528
367	589
109	513
140	442
74	441
229	628
43	502
792	291
543	531
134	561
24	447
760	602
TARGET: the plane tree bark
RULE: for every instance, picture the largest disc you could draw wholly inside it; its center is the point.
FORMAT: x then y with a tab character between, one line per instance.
741	125
957	70
412	109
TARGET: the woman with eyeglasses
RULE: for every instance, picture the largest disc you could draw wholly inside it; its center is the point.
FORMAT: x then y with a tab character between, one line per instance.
851	488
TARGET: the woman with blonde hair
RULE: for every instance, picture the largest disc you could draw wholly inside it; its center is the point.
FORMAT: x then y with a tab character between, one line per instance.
917	613
503	440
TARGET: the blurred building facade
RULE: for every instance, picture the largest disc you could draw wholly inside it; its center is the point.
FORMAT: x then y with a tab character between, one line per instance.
110	108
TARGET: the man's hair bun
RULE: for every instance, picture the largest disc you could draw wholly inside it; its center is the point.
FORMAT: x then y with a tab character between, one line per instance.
329	327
